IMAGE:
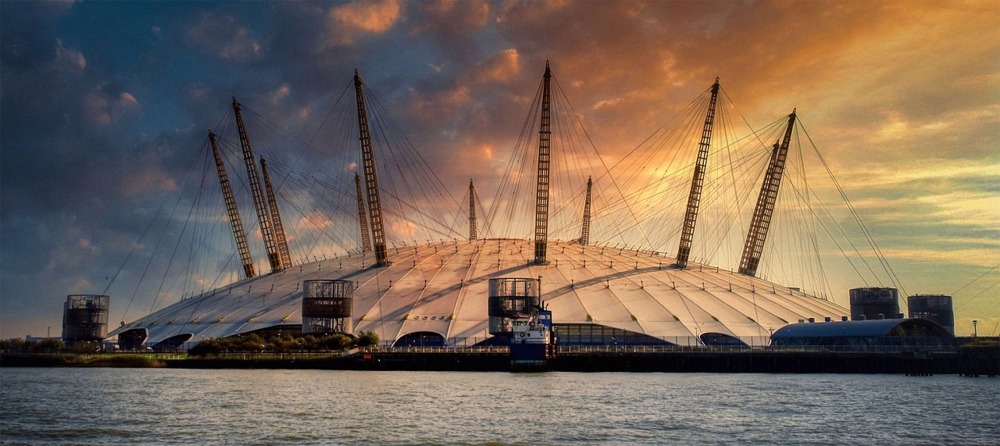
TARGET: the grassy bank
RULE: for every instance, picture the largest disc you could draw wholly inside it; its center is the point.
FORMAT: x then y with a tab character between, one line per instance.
123	360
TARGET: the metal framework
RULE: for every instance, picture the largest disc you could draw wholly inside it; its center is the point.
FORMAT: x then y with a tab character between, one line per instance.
509	298
85	318
472	212
279	230
234	213
371	179
327	306
366	239
585	233
263	217
764	210
694	197
542	190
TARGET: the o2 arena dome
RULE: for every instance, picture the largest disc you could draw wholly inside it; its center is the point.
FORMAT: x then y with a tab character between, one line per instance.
436	291
438	294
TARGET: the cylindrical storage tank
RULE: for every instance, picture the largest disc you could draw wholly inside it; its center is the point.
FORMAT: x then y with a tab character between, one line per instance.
85	318
327	306
512	297
934	307
871	302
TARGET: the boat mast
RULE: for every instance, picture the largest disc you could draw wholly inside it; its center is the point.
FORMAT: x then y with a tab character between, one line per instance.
233	211
258	196
366	240
585	233
542	190
279	230
472	212
764	210
694	197
371	179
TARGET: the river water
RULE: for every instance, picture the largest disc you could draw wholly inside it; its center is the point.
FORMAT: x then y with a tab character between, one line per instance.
274	407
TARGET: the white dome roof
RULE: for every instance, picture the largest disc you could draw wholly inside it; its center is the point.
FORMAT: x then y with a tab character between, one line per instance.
443	288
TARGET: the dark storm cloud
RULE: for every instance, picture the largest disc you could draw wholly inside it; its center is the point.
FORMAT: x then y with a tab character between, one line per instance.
28	32
75	173
105	105
222	36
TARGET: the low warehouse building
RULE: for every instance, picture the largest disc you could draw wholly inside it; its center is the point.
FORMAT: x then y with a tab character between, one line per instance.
862	334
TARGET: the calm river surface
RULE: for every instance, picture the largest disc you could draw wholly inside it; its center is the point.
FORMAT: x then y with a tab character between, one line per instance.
174	406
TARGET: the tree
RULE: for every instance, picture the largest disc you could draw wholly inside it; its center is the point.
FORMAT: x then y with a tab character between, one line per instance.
368	338
205	348
48	346
13	345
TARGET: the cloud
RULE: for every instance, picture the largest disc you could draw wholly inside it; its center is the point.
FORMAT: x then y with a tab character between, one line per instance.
316	220
348	21
902	98
223	37
401	229
147	180
503	67
441	105
102	109
453	16
451	24
27	33
69	56
279	94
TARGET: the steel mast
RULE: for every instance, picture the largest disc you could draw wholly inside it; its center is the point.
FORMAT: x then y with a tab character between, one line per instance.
585	233
279	230
694	197
273	258
371	179
764	210
542	190
472	212
234	213
366	240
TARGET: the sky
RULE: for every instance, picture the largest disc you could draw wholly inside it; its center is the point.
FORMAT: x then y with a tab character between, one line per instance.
104	105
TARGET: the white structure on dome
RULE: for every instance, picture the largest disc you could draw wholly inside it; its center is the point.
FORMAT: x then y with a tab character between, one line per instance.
441	290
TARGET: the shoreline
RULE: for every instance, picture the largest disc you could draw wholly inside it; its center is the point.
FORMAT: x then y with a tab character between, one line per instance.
976	361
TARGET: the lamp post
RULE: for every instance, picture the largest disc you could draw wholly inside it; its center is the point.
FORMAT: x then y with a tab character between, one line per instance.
975	333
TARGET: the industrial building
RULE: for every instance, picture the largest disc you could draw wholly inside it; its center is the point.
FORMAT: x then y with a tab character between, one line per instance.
864	334
85	318
874	303
933	307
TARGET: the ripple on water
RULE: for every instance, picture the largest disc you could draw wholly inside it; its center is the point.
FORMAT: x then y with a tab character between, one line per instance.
166	406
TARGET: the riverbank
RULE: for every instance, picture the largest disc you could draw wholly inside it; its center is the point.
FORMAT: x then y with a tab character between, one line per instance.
969	361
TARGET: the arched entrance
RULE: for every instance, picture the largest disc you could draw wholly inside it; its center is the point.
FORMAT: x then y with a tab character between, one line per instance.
721	340
420	339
